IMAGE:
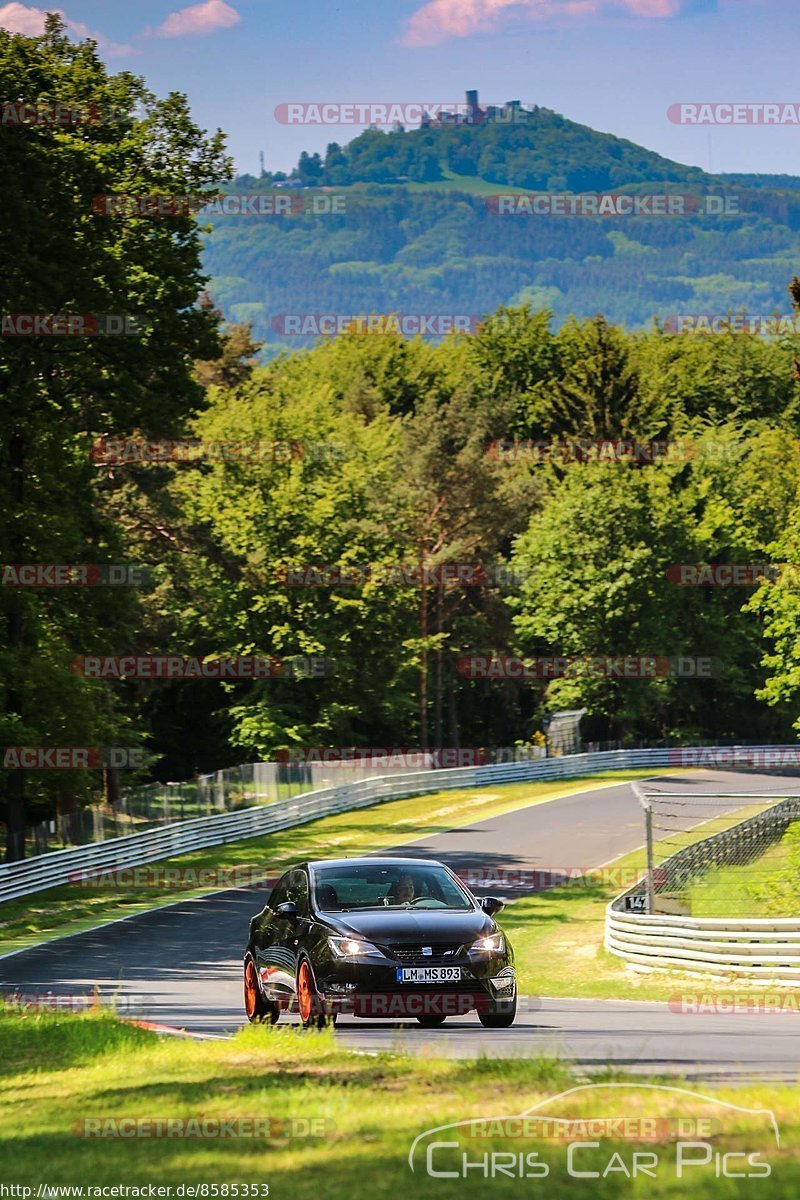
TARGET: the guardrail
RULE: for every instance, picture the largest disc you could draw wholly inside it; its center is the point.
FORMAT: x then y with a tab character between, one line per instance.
758	948
630	935
62	866
155	805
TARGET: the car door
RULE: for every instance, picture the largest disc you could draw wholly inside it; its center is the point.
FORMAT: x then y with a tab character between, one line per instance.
274	959
282	936
296	929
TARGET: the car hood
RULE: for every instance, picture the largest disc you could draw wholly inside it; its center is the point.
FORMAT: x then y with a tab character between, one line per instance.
405	925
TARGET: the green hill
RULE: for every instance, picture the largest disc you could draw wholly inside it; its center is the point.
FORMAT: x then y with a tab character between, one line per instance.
536	149
418	231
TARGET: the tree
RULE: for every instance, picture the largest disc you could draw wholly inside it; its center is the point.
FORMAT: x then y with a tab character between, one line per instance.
60	393
238	357
595	393
309	169
514	352
778	602
595	565
455	505
253	521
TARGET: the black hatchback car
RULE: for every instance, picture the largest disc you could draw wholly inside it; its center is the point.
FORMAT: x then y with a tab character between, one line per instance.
378	937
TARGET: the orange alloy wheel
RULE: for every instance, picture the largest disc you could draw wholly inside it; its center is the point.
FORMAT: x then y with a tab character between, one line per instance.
250	989
305	992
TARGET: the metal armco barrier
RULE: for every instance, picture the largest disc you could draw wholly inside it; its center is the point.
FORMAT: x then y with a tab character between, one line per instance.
60	866
757	948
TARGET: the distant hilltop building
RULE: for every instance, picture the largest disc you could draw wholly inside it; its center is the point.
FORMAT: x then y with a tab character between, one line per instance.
508	113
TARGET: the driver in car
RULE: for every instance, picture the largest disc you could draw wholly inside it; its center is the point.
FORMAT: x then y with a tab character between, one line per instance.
401	891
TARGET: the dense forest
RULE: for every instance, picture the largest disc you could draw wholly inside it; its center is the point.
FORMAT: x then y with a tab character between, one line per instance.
416	229
515	448
395	250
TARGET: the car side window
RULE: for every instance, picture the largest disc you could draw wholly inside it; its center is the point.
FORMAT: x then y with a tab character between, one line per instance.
297	891
279	892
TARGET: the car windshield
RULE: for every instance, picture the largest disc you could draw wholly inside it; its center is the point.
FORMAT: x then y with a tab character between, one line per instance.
387	886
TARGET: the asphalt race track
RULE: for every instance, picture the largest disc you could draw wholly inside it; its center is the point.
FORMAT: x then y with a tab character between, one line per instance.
181	965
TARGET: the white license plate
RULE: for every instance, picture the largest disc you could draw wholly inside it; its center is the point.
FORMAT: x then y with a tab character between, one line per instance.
428	974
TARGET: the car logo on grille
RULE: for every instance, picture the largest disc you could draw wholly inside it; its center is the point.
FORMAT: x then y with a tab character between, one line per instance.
427	950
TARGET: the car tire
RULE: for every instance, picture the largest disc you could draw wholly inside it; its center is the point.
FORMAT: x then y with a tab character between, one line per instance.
430	1022
259	1011
498	1014
309	1002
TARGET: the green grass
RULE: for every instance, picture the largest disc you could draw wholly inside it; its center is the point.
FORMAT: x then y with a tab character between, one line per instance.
558	935
73	909
58	1071
766	887
471	185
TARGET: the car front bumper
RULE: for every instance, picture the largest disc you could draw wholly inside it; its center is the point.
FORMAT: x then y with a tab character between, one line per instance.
373	990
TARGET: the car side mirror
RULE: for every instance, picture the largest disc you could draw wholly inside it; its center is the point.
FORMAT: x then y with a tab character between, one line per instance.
288	910
492	904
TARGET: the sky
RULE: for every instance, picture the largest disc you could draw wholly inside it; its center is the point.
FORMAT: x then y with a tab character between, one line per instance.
616	65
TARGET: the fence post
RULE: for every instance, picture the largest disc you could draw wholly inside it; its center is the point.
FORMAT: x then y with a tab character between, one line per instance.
648	831
651	891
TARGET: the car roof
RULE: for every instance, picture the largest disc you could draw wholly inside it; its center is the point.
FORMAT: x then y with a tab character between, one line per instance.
374	862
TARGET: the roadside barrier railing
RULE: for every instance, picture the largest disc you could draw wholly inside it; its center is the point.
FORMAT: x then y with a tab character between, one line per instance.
656	940
64	866
759	948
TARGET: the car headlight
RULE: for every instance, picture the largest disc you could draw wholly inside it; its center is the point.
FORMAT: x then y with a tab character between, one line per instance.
495	943
344	947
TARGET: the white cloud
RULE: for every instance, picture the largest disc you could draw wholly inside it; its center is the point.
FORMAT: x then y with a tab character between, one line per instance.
29	20
439	20
199	19
18	18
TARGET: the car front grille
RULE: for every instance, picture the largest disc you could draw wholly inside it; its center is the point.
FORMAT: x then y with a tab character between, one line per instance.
443	954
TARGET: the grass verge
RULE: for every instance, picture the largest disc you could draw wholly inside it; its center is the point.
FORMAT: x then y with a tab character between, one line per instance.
59	1072
558	934
74	909
766	887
